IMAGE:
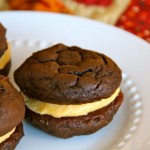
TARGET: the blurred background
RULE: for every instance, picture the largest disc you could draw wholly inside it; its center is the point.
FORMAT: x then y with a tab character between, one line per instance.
130	15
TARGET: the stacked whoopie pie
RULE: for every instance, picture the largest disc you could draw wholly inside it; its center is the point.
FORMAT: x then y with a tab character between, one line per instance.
5	56
12	112
69	91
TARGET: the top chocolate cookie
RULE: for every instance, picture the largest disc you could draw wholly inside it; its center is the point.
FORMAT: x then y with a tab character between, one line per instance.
68	75
12	107
3	43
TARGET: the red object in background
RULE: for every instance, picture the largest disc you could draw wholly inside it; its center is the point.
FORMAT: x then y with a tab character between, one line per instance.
96	2
136	19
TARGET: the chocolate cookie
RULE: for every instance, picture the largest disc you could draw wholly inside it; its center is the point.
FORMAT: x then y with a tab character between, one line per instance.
3	42
68	75
5	63
67	127
69	91
6	69
12	112
13	140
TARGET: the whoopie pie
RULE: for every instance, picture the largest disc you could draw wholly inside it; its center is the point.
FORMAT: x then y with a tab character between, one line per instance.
69	91
12	111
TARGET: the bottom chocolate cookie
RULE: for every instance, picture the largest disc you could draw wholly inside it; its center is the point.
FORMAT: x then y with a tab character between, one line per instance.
13	140
6	69
67	127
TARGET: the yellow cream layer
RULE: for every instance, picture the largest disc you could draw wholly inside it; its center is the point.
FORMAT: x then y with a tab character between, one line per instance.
4	59
6	136
59	111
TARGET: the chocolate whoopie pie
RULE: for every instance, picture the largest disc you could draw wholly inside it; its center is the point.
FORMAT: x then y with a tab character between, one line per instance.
69	91
5	60
12	112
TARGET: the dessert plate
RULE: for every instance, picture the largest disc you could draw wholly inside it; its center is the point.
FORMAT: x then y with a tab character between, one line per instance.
31	31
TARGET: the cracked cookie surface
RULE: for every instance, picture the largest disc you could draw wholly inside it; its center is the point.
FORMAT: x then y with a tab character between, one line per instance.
68	75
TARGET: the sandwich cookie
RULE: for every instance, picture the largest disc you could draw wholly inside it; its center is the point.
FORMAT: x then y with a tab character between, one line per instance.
69	91
12	112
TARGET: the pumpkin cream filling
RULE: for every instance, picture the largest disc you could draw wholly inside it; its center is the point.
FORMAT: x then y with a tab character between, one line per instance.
7	135
5	58
59	111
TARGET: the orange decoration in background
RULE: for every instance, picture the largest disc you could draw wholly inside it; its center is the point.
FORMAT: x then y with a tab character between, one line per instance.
41	5
136	19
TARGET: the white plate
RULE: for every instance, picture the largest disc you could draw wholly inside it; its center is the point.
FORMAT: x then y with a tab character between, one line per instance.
30	31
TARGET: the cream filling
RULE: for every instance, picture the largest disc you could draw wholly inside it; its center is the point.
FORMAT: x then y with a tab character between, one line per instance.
59	111
7	135
5	58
